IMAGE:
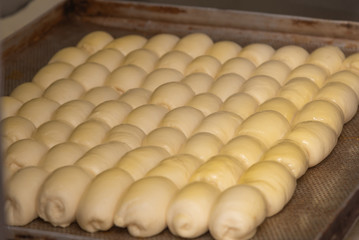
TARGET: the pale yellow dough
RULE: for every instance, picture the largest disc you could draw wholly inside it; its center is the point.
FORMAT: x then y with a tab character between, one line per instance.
237	213
97	206
127	44
198	82
52	72
194	44
246	149
110	58
224	50
273	68
178	168
351	63
274	181
74	112
21	195
102	157
125	78
226	85
59	207
94	41
126	133
98	95
266	126
143	208
90	75
53	132
207	103
161	43
89	133
170	139
257	53
139	161
328	57
16	128
221	171
247	102
347	77
175	60
136	97
311	71
280	105
239	65
111	112
184	118
64	90
159	77
292	55
203	64
26	91
9	106
38	110
203	145
143	58
72	55
189	210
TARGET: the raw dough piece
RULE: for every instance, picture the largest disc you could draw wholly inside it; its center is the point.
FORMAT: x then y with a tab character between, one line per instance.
143	208
61	155
161	76
143	58
221	171
172	95
136	97
261	87
125	78
241	104
51	73
238	65
53	132
224	50
189	210
139	161
146	117
342	95
72	55
23	153
207	103
64	90
266	126
194	44
274	181
161	43
203	64
102	157
246	149
311	71
90	75
177	168
292	55
198	82
74	112
280	105
203	145
227	85
128	43
98	95
60	195
94	41
323	111
299	91
9	106
351	63
328	57
221	124
175	60
97	206
237	213
314	137
21	194
183	118
111	112
126	133
89	133
38	110
257	53
26	91
16	128
110	58
273	68
290	155
171	139
347	77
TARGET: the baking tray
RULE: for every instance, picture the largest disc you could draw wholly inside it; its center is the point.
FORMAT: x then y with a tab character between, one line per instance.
326	201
